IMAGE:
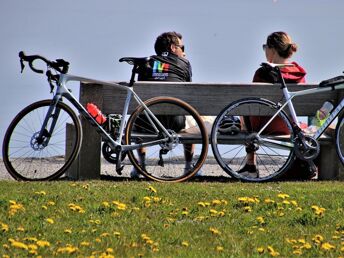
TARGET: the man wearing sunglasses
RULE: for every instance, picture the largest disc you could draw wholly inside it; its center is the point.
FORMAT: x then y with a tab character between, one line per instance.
169	64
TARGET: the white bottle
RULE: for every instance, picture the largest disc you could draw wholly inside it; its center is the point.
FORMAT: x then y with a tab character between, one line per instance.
323	113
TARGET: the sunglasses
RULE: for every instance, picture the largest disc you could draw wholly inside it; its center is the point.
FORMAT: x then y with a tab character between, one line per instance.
181	47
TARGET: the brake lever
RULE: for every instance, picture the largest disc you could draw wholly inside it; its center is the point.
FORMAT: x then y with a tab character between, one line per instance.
22	65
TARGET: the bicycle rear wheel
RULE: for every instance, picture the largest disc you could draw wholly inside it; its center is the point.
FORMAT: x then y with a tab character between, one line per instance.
172	160
340	139
30	157
233	140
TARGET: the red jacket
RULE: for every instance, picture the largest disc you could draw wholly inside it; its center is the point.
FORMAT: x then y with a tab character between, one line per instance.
293	74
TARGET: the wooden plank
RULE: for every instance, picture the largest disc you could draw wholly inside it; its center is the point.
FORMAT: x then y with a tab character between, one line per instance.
219	95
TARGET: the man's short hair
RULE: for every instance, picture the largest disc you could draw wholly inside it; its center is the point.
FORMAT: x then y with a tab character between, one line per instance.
165	40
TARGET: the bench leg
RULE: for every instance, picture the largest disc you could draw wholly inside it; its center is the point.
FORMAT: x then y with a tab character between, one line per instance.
89	157
87	164
328	163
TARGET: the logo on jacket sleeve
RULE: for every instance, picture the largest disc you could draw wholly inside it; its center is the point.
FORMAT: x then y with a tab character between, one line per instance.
160	70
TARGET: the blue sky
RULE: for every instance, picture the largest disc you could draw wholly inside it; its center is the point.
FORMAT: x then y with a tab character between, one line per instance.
223	39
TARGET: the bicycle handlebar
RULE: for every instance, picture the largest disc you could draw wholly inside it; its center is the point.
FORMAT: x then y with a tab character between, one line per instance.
59	65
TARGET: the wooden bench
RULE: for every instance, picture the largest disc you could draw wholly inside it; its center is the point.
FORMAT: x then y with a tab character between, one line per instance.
208	99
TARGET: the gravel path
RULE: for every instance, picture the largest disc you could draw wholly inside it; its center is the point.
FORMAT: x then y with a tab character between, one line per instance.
210	169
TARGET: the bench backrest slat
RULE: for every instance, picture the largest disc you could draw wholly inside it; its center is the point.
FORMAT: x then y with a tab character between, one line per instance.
206	98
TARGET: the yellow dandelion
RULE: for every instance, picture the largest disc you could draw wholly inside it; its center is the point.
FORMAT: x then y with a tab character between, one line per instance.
117	234
4	227
152	189
214	231
105	234
98	240
20	229
213	212
247	208
84	243
19	245
32	246
41	193
68	249
224	202
219	248
51	203
68	231
283	196
42	243
294	203
44	207
122	206
50	220
260	220
221	213
216	202
318	239
6	246
301	240
106	204
202	204
260	250
261	229
109	250
269	201
185	243
272	252
76	208
307	246
297	252
146	199
286	202
291	241
327	246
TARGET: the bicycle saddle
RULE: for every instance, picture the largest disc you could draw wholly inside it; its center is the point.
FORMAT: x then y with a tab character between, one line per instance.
332	82
136	61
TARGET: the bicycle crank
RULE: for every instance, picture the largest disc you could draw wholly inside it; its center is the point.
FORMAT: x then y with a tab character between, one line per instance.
306	147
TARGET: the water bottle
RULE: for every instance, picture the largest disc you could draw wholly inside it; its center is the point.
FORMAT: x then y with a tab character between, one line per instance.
323	113
95	113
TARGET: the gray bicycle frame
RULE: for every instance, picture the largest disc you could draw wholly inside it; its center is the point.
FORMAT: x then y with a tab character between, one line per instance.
288	95
62	91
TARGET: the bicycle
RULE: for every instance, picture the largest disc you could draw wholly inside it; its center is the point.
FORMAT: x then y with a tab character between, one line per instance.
35	143
270	132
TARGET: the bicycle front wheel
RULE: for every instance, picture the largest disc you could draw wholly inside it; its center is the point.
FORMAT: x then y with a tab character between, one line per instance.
234	141
340	139
28	156
172	159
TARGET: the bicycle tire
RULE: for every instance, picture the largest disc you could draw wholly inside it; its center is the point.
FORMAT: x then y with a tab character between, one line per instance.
340	139
28	160
173	167
230	151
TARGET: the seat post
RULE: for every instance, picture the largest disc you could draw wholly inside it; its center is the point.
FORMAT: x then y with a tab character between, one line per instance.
133	73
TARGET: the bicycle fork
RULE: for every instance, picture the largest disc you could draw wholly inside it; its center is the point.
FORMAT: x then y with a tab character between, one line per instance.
41	138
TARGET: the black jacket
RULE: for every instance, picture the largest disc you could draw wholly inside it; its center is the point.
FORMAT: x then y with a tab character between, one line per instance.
167	67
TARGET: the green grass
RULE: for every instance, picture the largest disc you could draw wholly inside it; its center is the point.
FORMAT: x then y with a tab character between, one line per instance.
196	219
